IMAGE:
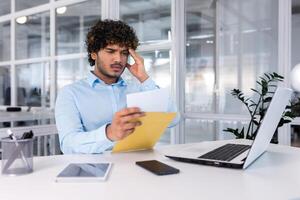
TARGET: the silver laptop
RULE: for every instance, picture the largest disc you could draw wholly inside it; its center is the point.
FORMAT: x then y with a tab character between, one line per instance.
234	155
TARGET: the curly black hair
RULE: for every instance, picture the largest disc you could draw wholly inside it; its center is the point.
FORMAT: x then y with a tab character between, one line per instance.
108	32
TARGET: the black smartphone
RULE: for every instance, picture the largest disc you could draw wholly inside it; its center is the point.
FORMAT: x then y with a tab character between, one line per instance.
157	167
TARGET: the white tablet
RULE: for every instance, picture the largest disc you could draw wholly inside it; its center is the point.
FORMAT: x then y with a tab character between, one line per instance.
84	172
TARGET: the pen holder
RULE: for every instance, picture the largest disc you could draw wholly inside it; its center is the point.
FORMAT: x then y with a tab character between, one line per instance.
17	156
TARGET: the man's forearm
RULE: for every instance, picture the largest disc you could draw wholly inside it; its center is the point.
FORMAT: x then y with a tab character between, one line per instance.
88	142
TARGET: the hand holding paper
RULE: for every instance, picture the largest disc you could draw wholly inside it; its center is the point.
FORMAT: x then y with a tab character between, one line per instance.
124	123
146	136
154	123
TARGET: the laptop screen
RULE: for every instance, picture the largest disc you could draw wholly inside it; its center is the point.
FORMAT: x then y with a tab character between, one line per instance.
270	122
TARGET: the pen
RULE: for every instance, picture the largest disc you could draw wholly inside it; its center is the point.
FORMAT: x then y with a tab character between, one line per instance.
13	137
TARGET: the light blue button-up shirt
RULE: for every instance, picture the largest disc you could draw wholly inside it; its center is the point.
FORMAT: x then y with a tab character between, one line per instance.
84	108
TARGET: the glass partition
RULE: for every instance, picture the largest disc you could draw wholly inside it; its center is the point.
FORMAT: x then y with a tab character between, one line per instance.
247	48
69	71
5	85
200	55
198	130
4	7
33	36
295	137
150	19
5	41
158	67
72	23
21	4
33	84
229	44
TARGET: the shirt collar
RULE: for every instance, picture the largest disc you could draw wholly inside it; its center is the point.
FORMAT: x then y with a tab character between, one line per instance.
92	80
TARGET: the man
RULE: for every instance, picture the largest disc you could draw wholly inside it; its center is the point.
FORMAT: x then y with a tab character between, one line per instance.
91	114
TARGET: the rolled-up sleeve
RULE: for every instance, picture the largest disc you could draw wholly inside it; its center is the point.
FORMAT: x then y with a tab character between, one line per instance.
72	136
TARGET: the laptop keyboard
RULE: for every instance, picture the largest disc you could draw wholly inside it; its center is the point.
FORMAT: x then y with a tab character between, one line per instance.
226	152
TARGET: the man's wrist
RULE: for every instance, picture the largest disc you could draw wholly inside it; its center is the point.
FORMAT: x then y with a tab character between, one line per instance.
143	78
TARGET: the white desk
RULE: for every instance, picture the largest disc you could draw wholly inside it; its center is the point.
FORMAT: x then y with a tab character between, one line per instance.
275	175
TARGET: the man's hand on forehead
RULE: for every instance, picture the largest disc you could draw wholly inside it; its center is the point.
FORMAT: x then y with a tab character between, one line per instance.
137	69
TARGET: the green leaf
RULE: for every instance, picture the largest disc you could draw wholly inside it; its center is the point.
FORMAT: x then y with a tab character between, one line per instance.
258	83
268	99
255	122
263	79
287	121
271	92
234	131
289	114
270	85
278	76
242	135
254	90
267	76
264	91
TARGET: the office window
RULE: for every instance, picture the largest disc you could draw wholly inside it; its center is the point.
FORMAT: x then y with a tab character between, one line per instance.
247	48
32	36
4	41
72	23
208	130
199	130
200	75
5	85
157	65
5	7
295	137
32	84
151	19
24	4
229	54
69	71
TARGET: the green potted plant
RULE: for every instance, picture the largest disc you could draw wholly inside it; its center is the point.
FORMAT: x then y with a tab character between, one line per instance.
257	108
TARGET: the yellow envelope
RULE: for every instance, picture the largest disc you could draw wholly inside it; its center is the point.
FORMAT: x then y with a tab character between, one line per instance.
146	135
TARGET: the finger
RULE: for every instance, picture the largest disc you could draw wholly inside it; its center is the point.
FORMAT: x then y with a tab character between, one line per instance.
127	132
135	55
132	117
131	125
128	65
129	111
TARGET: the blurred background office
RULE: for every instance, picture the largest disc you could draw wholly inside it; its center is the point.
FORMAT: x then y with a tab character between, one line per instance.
199	49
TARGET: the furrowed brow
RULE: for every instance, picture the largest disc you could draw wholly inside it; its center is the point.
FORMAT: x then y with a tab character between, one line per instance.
111	49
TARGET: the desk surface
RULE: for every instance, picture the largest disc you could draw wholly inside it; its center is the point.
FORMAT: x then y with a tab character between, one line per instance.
275	175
